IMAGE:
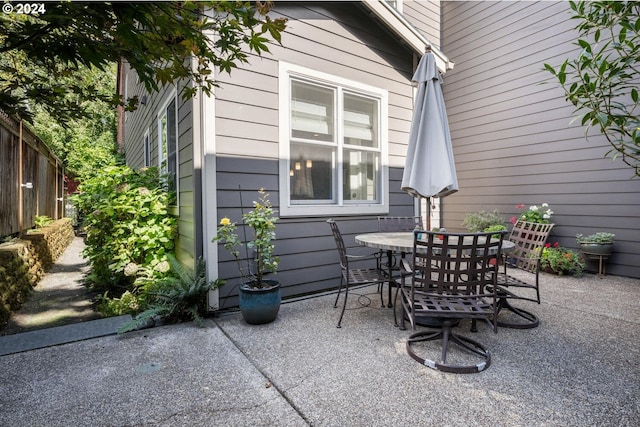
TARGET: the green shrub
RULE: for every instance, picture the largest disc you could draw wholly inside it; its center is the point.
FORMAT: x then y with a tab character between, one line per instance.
180	295
481	220
126	221
496	227
42	220
126	304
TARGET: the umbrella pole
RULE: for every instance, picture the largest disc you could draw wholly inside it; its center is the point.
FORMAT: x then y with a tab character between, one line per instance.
428	213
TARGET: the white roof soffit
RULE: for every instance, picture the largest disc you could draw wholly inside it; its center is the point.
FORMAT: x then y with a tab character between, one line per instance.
407	32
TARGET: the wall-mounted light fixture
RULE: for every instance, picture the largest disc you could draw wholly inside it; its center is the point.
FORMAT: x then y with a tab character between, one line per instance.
27	185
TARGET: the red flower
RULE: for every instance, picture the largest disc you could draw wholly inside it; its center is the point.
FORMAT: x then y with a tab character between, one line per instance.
556	244
547	245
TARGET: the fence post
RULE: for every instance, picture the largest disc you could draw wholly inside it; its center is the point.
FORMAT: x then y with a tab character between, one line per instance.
20	188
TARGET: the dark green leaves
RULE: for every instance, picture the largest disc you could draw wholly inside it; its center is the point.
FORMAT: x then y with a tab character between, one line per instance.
159	40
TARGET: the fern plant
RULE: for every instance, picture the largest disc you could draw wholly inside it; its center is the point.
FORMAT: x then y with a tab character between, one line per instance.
177	297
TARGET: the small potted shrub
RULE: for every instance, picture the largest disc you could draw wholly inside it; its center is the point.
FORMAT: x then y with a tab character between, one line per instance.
259	297
600	243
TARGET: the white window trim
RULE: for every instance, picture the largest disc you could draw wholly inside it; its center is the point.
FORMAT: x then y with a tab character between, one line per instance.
161	112
288	70
146	148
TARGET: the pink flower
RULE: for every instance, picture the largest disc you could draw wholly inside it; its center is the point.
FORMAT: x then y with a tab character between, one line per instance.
513	220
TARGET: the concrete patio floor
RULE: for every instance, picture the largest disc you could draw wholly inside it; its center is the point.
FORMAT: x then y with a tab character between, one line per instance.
580	367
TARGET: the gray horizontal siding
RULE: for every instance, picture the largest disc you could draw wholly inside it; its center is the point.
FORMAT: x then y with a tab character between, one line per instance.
510	127
425	17
336	38
308	256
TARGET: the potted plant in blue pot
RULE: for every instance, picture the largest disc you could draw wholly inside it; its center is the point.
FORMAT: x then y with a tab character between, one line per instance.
259	298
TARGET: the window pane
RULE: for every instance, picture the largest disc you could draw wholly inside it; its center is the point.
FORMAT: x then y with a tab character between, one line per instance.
312	112
360	121
360	178
147	151
172	154
311	173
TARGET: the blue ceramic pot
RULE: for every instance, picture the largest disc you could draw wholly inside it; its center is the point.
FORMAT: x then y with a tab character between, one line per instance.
260	305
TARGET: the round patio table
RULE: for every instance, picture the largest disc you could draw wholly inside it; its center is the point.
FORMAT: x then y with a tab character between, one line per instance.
399	241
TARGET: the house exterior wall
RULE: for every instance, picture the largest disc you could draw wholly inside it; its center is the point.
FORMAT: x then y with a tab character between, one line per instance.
336	38
144	121
425	17
512	137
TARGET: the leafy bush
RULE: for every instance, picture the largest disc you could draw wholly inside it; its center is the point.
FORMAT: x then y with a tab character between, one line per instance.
482	220
42	221
179	296
496	227
127	222
561	261
126	304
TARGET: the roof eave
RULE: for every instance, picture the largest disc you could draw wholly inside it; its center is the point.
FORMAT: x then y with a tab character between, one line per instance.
407	32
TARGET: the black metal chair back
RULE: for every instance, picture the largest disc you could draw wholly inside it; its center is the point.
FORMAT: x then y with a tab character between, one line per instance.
529	239
352	276
342	249
454	278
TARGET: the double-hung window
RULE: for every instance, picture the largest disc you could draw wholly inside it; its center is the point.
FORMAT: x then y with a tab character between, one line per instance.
333	145
168	147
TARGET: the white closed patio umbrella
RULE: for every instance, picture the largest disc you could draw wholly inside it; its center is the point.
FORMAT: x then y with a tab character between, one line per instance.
429	170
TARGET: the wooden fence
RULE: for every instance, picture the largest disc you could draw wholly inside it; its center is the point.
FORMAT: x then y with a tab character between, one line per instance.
31	178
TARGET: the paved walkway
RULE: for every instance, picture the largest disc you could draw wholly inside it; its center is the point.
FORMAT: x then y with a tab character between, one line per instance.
580	367
60	298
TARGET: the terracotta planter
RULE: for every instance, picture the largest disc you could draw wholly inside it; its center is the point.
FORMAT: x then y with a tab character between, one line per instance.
260	305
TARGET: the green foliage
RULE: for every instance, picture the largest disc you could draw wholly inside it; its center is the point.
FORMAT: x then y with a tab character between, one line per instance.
42	54
496	227
482	220
42	221
561	261
600	237
127	222
126	304
87	144
602	82
177	297
262	221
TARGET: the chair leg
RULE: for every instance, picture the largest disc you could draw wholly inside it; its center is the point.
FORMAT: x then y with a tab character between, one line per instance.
530	319
344	305
448	338
335	304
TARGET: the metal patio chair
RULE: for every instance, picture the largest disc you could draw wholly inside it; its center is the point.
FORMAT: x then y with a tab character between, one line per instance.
352	276
529	239
453	279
